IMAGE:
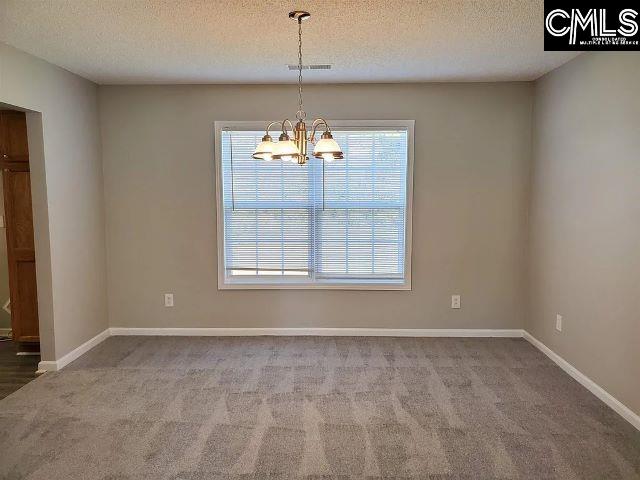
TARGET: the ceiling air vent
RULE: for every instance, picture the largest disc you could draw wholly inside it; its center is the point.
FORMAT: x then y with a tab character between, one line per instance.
318	66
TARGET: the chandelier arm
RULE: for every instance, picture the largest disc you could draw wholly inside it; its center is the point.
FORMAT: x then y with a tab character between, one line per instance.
314	128
320	120
284	122
271	125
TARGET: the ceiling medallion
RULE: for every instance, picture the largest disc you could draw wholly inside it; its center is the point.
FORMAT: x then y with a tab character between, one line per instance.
296	150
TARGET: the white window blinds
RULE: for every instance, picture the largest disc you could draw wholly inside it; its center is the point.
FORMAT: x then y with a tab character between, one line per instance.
340	222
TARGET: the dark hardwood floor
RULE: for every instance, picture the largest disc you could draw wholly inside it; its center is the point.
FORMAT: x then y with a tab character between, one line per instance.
15	371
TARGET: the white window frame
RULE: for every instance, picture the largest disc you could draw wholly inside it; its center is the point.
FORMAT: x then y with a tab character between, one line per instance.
225	283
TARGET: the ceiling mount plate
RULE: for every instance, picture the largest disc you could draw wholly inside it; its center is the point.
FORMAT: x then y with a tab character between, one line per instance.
299	15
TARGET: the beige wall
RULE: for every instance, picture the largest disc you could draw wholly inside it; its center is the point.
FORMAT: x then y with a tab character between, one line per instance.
585	219
68	202
470	183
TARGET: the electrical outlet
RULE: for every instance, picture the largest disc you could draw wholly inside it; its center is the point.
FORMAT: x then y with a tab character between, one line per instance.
168	299
559	323
455	301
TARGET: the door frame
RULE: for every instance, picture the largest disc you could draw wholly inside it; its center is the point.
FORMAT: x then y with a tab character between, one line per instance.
41	233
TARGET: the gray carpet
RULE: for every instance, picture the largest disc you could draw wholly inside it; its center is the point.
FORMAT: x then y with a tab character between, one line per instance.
314	408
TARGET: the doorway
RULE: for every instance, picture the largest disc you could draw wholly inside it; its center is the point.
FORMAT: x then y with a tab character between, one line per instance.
22	339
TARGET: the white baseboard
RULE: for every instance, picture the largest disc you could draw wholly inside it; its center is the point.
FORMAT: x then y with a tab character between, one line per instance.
47	366
617	406
5	332
54	365
332	332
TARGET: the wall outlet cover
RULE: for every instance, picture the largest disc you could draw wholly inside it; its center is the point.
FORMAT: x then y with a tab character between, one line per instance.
559	323
455	301
168	299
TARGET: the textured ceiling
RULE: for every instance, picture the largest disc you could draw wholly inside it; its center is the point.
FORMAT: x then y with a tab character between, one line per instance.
209	41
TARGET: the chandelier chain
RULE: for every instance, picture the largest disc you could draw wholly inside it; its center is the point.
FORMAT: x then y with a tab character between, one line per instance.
301	115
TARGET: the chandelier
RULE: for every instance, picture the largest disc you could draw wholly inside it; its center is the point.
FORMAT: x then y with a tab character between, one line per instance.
295	150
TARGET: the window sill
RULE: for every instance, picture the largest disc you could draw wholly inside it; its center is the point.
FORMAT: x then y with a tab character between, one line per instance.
329	285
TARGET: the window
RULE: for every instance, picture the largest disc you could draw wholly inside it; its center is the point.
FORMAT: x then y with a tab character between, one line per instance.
342	224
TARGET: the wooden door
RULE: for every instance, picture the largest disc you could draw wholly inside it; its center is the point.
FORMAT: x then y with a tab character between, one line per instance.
16	178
